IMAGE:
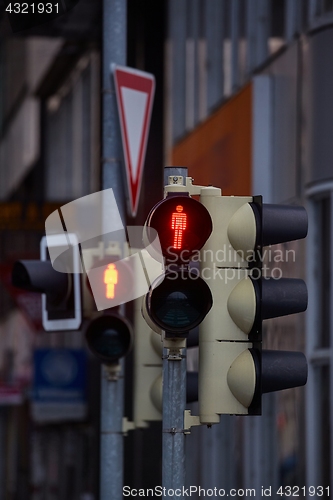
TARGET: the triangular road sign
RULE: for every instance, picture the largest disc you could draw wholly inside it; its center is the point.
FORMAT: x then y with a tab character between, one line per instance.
135	94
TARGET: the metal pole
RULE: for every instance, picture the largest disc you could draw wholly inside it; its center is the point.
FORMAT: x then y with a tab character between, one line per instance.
173	441
114	51
174	400
112	388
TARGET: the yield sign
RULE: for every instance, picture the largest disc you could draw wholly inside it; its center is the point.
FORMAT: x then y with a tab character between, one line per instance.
135	93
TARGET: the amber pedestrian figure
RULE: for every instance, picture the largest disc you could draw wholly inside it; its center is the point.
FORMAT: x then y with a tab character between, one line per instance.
110	279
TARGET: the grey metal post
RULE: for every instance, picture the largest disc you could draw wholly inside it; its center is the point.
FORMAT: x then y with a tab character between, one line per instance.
173	440
112	390
174	400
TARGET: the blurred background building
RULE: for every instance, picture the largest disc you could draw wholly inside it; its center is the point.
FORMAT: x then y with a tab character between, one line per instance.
243	99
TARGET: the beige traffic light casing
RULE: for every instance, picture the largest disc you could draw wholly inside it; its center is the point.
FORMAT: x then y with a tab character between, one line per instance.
233	370
232	241
148	347
223	338
222	390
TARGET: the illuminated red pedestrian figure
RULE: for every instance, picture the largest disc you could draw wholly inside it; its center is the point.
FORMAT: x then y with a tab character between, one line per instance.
110	279
178	223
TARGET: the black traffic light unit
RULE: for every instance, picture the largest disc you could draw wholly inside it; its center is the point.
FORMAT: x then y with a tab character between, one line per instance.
228	240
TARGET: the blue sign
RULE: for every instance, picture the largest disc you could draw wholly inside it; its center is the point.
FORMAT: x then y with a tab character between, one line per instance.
59	385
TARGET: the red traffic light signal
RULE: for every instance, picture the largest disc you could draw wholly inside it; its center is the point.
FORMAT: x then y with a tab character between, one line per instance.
183	226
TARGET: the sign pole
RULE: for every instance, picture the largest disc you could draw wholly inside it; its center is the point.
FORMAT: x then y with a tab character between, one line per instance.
173	437
112	388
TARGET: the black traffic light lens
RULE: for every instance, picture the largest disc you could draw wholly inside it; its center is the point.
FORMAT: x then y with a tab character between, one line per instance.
180	302
177	309
108	343
182	224
109	338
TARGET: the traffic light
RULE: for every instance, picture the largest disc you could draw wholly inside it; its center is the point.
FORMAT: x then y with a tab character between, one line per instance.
106	284
61	291
233	370
179	299
103	287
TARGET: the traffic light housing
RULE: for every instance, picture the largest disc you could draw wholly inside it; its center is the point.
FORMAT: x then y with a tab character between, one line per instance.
106	284
233	369
109	338
103	287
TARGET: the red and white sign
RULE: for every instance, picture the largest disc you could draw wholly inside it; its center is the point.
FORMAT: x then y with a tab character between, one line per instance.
135	94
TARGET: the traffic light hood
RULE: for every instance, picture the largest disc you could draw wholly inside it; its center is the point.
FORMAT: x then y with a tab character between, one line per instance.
39	276
256	225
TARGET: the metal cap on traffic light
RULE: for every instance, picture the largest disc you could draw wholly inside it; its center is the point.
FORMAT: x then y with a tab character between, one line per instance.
179	302
183	226
109	337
